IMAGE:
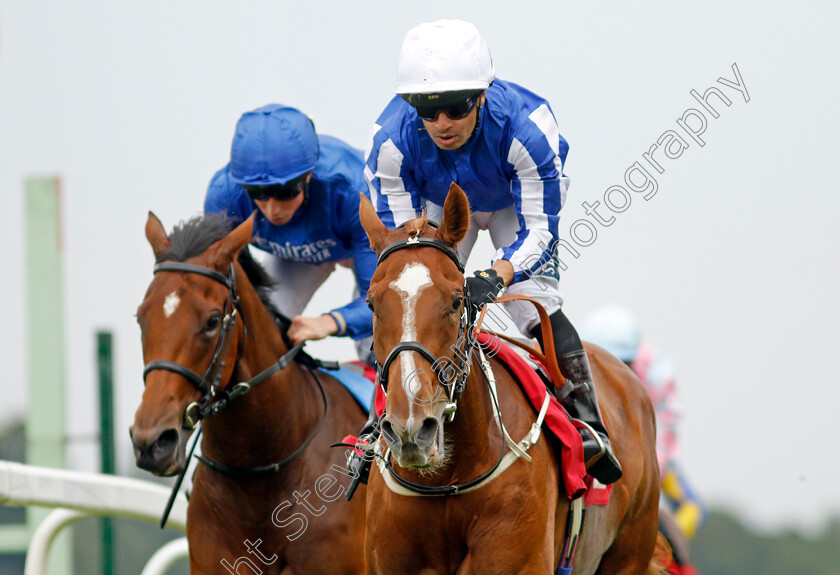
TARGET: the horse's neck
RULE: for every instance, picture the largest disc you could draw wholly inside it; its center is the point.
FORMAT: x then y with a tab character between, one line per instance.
250	428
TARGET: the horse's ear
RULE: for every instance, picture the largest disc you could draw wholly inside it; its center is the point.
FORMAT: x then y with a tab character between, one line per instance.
156	235
373	226
223	252
456	216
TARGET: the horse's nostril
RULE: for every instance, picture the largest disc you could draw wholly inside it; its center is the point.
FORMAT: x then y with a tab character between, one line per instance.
428	430
166	443
388	432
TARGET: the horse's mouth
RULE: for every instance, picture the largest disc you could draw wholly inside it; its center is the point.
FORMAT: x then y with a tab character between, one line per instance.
172	471
411	456
174	468
415	464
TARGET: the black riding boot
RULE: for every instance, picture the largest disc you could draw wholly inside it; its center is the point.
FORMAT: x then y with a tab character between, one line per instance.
357	465
579	398
582	404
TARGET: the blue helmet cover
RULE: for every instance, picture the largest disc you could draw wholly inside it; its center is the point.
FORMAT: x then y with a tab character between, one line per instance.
272	145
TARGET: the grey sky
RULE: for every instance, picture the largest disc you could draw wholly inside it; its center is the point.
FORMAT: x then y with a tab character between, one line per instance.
731	266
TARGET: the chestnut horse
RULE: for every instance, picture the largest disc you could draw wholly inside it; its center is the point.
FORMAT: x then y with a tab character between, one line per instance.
265	495
515	523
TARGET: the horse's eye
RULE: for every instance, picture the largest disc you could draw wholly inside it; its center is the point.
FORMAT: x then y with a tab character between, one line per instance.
212	323
370	306
456	303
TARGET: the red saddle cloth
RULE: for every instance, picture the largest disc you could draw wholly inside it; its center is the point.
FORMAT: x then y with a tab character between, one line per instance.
576	481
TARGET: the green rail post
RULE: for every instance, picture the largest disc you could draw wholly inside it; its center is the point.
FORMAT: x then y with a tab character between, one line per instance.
44	294
105	368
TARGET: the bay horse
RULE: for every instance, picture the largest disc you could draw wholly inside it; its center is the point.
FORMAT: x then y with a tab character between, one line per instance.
516	523
260	497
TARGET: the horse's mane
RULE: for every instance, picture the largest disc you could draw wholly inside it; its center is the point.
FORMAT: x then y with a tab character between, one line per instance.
192	237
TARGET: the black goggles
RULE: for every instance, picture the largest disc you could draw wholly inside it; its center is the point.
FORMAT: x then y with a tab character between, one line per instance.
287	191
455	111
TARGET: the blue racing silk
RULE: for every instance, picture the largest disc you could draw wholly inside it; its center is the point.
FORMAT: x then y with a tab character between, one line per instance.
326	228
515	158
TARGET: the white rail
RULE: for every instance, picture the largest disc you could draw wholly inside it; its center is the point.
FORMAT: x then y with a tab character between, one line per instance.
38	554
166	556
80	495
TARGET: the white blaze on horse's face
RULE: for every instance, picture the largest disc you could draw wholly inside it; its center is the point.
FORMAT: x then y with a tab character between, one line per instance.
413	280
170	304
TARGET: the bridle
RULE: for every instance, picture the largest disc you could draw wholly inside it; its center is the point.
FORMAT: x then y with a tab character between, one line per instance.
213	399
445	369
207	384
466	344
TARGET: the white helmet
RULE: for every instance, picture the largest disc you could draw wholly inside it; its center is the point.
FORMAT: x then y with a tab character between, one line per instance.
614	328
443	56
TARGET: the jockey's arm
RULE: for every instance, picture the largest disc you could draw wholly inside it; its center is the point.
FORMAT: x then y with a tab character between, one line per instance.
390	179
534	243
505	270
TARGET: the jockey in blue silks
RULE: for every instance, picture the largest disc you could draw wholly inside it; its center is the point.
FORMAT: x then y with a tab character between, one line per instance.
452	120
305	188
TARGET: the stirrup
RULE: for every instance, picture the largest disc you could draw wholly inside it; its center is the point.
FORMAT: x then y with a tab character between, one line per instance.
602	449
602	465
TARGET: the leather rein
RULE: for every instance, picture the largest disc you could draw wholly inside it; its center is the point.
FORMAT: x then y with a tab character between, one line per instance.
445	370
405	487
215	400
453	376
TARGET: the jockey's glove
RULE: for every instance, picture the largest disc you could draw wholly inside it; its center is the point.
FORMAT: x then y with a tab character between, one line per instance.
482	288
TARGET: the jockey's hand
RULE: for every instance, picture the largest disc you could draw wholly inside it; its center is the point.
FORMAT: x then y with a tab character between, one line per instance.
483	287
311	328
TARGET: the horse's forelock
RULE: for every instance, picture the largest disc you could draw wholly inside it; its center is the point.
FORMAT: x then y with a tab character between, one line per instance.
192	237
417	226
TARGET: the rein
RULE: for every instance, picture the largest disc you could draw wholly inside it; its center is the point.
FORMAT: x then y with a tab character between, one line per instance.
442	368
403	486
208	390
273	467
206	406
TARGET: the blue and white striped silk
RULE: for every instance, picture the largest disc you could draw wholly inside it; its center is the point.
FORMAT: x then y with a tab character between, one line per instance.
515	158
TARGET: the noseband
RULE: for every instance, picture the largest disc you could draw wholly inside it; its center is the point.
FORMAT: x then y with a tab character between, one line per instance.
206	406
442	367
208	384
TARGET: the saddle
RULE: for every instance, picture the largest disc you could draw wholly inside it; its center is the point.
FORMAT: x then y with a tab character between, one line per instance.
568	447
537	378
